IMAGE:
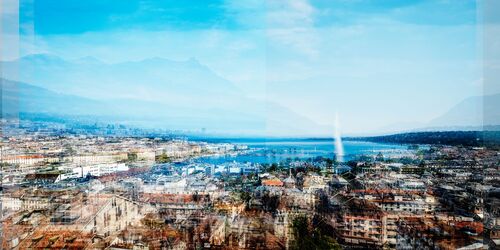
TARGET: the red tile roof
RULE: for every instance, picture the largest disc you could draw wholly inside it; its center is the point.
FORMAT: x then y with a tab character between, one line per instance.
273	183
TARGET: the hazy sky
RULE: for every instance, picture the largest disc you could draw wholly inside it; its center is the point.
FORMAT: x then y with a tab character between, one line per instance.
376	63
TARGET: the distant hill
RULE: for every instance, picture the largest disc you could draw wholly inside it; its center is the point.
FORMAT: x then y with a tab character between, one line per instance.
163	93
22	97
155	92
258	118
463	138
154	79
471	112
475	113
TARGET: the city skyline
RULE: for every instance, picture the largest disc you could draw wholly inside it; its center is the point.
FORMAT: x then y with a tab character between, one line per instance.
249	124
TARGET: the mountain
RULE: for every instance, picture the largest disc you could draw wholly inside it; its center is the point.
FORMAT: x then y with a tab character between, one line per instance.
22	97
472	112
258	118
463	138
154	79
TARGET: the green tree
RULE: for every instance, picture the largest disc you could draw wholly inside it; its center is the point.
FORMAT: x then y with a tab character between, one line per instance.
163	158
245	196
132	157
308	238
270	202
273	167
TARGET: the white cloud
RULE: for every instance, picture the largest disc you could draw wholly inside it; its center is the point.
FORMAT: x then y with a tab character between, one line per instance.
292	13
291	26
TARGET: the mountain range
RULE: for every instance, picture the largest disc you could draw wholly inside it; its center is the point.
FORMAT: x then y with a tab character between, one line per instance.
154	93
181	95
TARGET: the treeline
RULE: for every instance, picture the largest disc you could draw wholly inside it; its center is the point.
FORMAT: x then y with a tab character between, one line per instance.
453	138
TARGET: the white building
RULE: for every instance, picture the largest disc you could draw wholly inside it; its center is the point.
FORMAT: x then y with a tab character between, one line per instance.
92	170
11	203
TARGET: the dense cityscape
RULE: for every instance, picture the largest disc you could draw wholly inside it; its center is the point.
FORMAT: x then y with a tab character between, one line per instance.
249	124
64	191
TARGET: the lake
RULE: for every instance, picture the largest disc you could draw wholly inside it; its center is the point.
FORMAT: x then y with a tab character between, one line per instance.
270	151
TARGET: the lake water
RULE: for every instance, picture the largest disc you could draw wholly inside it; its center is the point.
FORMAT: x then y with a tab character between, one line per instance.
270	151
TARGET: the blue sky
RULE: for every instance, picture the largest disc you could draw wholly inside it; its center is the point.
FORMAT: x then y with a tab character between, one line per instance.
73	17
376	63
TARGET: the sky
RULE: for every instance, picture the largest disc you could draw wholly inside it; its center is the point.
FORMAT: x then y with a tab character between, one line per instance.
377	63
